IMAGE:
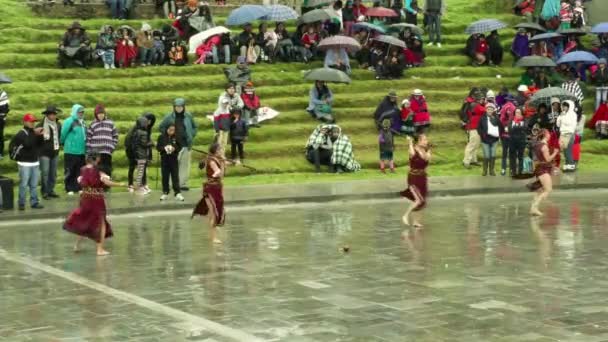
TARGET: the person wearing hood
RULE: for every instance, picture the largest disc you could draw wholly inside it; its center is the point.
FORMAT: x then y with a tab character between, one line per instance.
388	109
25	147
489	130
567	123
106	46
141	145
102	137
251	105
145	43
49	151
239	75
496	50
328	146
320	101
228	101
75	46
520	47
126	51
132	155
185	132
168	148
73	139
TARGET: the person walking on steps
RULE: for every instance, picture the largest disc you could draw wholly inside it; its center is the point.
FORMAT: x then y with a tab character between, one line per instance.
73	139
434	10
49	151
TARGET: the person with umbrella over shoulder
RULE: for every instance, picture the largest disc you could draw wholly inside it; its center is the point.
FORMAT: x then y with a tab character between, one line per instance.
49	151
320	102
24	148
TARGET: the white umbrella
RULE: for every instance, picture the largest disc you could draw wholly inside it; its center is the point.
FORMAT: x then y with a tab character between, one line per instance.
201	37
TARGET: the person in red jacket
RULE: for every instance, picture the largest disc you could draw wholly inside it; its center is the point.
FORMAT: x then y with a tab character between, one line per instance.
474	113
251	105
481	51
310	40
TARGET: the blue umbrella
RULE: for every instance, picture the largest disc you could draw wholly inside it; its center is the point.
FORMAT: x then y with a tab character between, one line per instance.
545	36
246	14
578	56
280	13
600	28
485	25
368	27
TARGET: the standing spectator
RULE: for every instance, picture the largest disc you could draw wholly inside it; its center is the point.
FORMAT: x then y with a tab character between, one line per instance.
228	101
489	130
434	9
388	109
574	87
411	12
349	17
185	131
102	137
422	117
507	113
151	121
285	47
474	111
600	78
24	149
239	131
239	75
251	105
518	133
4	109
49	151
145	43
386	144
141	146
578	137
168	147
565	15
75	46
520	46
106	46
117	9
567	123
73	139
169	9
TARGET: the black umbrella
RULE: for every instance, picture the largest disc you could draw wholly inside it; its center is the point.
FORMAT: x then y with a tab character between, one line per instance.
545	36
535	61
327	75
390	40
5	79
531	26
572	32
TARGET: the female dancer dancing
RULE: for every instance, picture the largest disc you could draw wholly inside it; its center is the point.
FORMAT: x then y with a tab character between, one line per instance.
417	185
542	170
212	203
90	218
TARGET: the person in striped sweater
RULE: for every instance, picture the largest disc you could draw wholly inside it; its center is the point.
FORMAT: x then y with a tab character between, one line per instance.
102	137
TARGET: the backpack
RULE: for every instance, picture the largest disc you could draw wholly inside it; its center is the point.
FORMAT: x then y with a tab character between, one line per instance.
14	148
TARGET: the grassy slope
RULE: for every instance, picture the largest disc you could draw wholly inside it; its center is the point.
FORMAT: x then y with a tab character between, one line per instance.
27	53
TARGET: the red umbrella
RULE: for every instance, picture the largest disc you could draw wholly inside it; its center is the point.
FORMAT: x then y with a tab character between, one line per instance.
380	12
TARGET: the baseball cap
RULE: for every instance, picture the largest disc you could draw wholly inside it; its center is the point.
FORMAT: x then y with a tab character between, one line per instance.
29	117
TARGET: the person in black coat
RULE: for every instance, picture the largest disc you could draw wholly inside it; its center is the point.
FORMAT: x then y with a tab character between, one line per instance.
169	148
489	129
239	131
387	109
49	151
24	148
496	50
518	133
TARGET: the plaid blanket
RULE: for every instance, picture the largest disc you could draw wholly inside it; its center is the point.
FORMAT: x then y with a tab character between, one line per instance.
342	149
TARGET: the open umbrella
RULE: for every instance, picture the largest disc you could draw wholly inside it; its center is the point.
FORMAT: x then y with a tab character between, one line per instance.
315	15
600	28
327	75
485	25
535	61
340	42
545	95
364	25
246	14
201	37
315	3
545	36
404	26
381	12
5	79
572	32
280	13
578	56
531	26
390	40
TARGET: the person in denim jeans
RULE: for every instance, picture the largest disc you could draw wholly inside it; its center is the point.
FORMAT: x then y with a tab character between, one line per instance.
433	10
225	46
145	43
489	130
24	149
49	151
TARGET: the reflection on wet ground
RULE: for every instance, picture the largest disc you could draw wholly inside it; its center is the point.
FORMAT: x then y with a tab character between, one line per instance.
482	270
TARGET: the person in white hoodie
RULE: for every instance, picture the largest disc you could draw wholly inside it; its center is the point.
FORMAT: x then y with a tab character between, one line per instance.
567	122
227	102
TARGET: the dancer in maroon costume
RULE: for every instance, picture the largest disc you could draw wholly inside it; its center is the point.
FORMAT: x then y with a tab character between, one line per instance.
542	170
417	183
212	203
89	220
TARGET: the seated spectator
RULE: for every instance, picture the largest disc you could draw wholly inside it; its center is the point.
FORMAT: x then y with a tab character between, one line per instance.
224	48
328	146
126	51
407	118
177	55
599	121
207	48
284	46
75	47
600	79
377	52
194	19
541	48
565	15
348	18
527	78
267	41
158	51
337	59
496	50
106	46
392	66
520	46
470	48
239	75
247	44
525	8
320	102
168	35
388	110
541	80
145	44
414	53
310	40
251	105
482	51
422	117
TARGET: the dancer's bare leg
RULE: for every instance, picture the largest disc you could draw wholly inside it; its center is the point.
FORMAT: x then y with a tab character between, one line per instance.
212	224
547	184
102	238
77	244
415	203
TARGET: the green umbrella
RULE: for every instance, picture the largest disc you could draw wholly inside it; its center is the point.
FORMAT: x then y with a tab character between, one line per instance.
404	26
545	95
327	75
535	61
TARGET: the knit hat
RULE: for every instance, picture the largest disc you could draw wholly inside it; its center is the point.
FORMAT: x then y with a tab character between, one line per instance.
417	92
405	103
522	88
179	102
98	110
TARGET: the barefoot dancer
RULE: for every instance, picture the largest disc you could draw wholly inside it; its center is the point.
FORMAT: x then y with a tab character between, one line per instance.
89	219
544	166
417	185
212	203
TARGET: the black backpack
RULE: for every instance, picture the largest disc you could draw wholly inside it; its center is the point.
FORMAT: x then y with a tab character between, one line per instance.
129	148
14	148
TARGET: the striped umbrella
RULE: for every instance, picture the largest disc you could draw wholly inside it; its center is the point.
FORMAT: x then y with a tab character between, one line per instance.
535	61
545	95
280	13
600	28
404	26
246	14
485	25
578	56
390	40
382	12
545	36
340	42
365	26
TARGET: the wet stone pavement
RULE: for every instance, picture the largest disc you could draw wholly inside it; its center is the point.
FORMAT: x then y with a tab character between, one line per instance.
481	270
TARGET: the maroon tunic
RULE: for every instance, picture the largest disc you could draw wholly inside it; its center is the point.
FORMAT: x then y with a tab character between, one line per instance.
417	180
213	190
86	220
541	167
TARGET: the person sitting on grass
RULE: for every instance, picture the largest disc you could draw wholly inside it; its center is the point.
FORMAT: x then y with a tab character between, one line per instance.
251	105
337	59
320	102
310	40
75	46
328	146
106	46
239	75
126	52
